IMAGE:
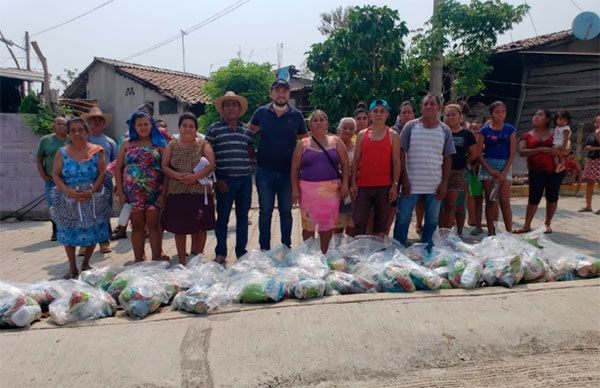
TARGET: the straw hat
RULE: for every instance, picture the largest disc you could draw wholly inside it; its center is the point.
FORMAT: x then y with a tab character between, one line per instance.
231	96
96	112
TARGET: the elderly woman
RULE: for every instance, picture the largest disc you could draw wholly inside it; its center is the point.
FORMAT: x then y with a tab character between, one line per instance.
80	202
189	163
345	131
317	183
497	141
466	151
536	146
140	182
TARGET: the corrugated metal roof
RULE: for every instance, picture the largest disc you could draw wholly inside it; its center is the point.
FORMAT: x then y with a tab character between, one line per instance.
25	75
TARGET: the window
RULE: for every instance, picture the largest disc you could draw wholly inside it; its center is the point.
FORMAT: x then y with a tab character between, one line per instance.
167	107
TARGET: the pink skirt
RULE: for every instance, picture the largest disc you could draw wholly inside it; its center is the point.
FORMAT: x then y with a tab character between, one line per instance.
591	171
319	204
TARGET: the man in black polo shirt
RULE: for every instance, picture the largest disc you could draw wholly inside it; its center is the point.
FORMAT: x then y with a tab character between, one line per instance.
233	145
280	124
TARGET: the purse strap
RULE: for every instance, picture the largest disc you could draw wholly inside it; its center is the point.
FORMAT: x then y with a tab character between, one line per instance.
328	157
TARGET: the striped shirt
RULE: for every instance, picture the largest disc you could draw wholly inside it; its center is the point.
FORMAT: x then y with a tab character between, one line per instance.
231	149
425	150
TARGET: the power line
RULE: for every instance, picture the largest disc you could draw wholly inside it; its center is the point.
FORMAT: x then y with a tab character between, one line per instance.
576	6
203	23
73	19
531	19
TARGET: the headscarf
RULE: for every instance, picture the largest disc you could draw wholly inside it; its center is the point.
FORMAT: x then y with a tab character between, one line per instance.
158	140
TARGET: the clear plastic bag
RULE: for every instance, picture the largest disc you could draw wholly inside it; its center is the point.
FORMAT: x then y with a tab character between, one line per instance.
255	260
566	263
100	276
253	286
47	291
346	283
201	299
132	272
309	288
144	294
313	262
16	308
84	302
362	247
207	273
448	238
504	270
465	273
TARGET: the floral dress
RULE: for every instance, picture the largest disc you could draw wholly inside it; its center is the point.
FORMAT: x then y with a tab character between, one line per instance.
142	177
80	223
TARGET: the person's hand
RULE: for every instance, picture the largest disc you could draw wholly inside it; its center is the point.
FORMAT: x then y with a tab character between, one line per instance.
85	195
353	192
160	201
405	187
501	176
122	198
343	191
222	186
393	195
441	191
47	178
189	179
181	176
295	196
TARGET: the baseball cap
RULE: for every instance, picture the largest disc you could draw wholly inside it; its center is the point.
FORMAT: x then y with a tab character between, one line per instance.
381	102
280	82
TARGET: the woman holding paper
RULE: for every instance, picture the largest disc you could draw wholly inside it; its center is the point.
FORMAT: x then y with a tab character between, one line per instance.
189	163
140	182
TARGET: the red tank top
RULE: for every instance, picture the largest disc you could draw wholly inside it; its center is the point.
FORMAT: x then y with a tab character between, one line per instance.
375	167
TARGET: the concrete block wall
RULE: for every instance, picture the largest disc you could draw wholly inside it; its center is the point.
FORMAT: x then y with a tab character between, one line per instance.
19	180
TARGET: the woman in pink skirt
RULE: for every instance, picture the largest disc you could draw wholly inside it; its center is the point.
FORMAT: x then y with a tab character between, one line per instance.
317	183
591	171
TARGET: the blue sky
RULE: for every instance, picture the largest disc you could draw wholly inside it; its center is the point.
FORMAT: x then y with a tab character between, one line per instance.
125	27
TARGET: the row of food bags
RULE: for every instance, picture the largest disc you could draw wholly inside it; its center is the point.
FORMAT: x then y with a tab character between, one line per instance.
352	265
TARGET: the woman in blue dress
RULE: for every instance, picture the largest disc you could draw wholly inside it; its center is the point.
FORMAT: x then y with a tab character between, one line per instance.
80	203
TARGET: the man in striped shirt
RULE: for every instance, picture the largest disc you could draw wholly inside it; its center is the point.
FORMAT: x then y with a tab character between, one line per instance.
233	145
426	149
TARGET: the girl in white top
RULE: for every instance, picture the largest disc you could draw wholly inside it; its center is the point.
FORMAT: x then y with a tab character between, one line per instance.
562	133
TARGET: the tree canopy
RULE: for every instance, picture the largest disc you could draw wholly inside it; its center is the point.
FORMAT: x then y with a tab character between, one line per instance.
363	59
248	79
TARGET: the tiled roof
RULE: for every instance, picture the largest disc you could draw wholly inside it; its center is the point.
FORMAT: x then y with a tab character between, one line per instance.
536	41
26	75
184	87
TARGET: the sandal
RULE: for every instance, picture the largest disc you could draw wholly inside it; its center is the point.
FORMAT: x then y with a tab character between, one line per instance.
70	275
548	230
521	231
86	268
221	260
597	212
585	210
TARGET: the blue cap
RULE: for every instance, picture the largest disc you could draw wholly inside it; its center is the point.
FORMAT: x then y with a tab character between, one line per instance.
381	102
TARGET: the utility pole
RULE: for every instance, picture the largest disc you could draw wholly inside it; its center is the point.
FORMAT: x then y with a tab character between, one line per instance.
46	88
28	59
183	33
437	65
8	43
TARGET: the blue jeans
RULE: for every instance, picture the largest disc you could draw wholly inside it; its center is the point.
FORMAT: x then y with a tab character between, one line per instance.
406	205
271	183
240	192
48	192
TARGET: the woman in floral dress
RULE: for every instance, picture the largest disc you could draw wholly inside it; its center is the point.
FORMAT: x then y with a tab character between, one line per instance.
140	182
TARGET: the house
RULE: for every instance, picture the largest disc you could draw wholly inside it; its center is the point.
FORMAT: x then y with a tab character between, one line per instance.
549	71
121	87
12	88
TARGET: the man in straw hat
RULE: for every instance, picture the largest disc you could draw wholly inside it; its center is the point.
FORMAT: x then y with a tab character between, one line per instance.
98	121
233	145
280	125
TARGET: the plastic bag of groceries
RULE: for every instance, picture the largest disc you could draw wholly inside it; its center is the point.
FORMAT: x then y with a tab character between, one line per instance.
502	262
279	253
311	260
47	291
290	276
100	276
567	263
534	268
144	294
181	277
449	239
201	298
16	308
255	260
335	258
362	247
387	276
253	286
309	287
83	302
465	272
346	283
134	271
206	273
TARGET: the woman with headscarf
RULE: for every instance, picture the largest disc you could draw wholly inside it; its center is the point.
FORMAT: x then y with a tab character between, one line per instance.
80	202
140	182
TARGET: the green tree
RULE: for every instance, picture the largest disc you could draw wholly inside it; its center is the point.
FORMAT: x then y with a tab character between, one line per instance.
68	78
251	80
364	59
333	20
467	35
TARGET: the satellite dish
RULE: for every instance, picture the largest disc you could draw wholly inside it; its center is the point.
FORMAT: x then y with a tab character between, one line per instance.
283	74
586	26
